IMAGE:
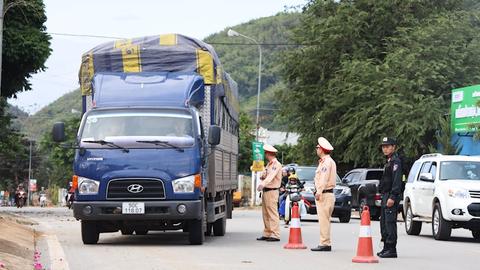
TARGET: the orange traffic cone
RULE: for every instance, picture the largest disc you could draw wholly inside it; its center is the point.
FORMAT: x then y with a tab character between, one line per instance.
295	238
365	246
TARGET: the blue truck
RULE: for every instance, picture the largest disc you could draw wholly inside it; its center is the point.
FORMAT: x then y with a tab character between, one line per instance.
157	146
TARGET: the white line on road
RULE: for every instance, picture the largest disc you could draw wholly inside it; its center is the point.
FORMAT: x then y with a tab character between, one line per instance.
58	260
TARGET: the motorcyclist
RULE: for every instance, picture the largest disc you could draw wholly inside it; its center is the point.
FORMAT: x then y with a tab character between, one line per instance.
293	183
19	191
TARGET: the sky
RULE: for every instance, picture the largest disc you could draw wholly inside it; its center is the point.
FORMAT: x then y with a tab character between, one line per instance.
122	18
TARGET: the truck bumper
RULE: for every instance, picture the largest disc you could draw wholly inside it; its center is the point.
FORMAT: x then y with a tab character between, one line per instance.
158	210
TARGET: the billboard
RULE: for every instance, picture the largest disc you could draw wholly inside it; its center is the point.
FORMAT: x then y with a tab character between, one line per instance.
258	155
465	115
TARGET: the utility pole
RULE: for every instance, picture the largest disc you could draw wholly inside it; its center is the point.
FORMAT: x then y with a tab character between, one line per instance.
29	169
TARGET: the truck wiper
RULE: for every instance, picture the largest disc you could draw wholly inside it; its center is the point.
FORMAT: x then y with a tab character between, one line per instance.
103	142
157	142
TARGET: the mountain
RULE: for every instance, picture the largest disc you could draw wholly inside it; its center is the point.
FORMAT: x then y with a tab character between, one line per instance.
239	56
67	106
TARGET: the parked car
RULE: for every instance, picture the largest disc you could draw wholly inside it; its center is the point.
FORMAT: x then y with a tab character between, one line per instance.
443	190
343	196
363	184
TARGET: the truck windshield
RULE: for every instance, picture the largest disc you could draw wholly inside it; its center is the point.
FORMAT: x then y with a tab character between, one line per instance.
140	125
460	170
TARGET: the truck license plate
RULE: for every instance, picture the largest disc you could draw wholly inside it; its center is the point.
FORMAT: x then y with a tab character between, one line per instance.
133	208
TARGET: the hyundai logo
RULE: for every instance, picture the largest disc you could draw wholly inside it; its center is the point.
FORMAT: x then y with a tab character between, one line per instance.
135	188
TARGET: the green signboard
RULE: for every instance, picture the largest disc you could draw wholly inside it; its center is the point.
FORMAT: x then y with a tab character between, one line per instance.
465	114
258	155
257	151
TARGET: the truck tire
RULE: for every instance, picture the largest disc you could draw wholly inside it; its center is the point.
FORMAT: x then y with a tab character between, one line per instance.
441	229
220	226
345	218
196	235
476	234
412	227
90	232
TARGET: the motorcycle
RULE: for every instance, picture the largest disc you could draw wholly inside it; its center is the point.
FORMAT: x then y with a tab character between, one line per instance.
293	196
21	199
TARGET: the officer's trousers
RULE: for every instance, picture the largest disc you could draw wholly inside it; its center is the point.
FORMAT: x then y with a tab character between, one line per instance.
271	219
324	211
388	221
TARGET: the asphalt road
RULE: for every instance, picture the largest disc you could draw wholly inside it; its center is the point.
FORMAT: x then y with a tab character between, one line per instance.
63	249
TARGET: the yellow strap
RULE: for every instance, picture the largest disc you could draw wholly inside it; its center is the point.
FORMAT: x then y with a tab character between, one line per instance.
131	58
168	39
119	44
205	66
86	74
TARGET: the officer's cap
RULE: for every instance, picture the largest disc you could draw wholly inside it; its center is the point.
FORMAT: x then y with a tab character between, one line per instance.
388	141
325	144
269	148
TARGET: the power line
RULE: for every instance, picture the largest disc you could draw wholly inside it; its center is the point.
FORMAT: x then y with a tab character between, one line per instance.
212	43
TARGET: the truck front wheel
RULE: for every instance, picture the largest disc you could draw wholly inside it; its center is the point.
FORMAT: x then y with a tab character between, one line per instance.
90	232
220	226
196	236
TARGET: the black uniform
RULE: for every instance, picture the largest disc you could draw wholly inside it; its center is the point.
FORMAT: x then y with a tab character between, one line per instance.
391	188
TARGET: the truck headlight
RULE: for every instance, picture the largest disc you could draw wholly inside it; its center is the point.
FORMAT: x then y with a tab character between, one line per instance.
87	186
184	184
458	193
346	192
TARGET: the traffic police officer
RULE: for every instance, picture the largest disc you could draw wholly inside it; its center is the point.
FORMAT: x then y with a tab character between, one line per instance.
271	180
391	189
325	180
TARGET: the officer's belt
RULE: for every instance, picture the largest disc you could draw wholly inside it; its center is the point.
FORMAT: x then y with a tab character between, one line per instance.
327	191
269	189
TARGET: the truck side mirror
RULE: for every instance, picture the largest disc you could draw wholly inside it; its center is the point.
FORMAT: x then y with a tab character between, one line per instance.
58	132
214	134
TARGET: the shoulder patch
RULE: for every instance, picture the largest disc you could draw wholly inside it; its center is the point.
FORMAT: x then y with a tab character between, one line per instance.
395	167
324	169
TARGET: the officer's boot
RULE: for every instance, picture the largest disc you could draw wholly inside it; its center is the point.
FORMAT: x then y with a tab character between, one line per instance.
383	249
390	251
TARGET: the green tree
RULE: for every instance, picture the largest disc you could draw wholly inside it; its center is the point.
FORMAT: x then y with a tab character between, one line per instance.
26	45
245	142
378	68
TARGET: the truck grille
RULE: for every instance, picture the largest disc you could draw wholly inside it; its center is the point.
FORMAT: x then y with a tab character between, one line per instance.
151	189
474	209
475	194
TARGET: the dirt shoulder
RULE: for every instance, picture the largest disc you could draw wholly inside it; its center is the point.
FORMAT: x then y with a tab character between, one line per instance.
17	242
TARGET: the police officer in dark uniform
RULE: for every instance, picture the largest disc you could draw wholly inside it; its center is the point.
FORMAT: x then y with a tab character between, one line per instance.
391	189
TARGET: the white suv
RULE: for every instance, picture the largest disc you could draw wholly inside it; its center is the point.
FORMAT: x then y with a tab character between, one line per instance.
443	190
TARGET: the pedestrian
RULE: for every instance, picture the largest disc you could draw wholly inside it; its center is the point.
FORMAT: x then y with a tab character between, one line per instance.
390	188
271	180
325	180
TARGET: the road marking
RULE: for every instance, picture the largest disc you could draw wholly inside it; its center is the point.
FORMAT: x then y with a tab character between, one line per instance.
58	260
